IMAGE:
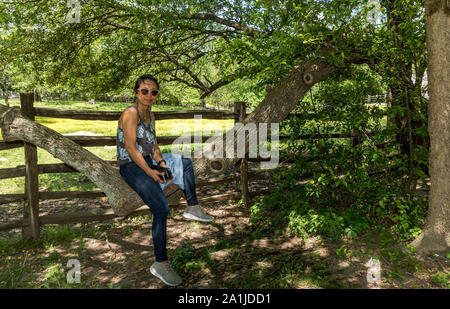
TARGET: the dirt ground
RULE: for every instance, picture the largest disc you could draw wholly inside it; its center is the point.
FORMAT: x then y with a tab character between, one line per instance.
225	253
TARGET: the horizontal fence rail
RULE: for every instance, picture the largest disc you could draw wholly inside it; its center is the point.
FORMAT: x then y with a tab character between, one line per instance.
92	141
50	195
113	115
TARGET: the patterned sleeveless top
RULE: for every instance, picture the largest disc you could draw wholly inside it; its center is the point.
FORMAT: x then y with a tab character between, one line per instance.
145	140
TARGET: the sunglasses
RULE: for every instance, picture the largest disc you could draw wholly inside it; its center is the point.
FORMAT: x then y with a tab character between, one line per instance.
153	92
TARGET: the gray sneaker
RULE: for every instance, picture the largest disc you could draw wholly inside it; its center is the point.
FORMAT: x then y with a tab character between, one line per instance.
195	213
165	272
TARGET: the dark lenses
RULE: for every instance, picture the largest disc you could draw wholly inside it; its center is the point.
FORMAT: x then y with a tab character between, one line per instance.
153	92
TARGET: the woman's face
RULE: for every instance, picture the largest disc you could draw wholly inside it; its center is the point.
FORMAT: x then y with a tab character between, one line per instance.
149	98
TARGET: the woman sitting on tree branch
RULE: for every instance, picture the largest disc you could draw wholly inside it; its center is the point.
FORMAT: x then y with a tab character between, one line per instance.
137	152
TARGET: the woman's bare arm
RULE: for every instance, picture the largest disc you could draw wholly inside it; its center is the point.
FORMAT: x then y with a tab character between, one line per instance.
156	150
129	122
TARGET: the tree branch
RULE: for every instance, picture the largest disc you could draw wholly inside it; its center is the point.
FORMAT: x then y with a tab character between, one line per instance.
233	24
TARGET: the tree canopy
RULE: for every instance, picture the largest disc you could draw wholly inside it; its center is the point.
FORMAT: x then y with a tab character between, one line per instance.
203	45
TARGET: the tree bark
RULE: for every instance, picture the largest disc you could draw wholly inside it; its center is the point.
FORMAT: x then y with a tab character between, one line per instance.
275	107
37	95
15	126
436	233
5	91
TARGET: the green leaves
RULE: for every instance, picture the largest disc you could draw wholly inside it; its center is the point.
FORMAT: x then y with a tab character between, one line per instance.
114	41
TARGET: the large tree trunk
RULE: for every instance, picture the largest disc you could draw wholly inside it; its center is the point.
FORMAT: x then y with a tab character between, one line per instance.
436	234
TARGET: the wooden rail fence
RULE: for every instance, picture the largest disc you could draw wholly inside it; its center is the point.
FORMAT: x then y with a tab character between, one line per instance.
31	221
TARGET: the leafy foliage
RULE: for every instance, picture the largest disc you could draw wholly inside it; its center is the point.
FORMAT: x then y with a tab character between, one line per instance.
353	184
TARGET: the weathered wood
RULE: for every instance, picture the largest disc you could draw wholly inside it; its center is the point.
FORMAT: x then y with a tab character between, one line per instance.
30	227
278	103
76	114
167	140
11	198
241	107
10	145
114	116
244	181
216	181
77	218
237	166
103	215
190	115
19	171
11	225
12	172
92	141
48	195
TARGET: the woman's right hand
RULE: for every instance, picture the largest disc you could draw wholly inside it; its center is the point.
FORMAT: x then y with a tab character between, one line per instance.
155	175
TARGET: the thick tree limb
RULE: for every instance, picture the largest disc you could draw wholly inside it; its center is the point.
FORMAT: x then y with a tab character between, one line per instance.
17	127
275	107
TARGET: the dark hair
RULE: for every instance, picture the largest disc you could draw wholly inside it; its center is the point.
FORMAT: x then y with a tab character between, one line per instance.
142	79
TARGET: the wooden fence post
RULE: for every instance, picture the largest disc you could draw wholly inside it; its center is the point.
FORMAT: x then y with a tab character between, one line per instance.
239	107
30	227
237	111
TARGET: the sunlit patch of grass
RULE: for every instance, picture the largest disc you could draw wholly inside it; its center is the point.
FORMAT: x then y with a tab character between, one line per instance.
64	126
52	182
207	127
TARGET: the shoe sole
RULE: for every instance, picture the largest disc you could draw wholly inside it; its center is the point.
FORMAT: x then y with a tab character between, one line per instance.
154	273
192	217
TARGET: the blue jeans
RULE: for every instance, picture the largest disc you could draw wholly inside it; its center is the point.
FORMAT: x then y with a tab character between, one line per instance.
151	193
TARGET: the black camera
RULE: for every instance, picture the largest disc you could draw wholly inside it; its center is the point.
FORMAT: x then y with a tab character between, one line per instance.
167	172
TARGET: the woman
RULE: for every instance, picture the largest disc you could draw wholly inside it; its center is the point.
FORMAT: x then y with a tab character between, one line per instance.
137	150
